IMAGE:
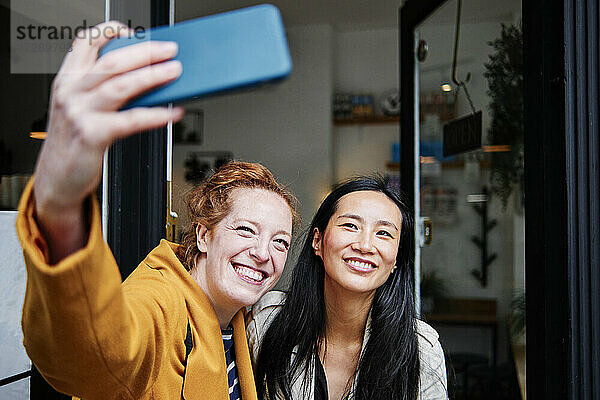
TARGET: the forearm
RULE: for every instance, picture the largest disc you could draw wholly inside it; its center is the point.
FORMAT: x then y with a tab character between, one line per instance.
78	325
66	301
60	331
65	232
84	333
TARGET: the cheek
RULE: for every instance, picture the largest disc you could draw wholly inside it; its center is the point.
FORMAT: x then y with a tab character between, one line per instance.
233	243
390	253
279	262
332	243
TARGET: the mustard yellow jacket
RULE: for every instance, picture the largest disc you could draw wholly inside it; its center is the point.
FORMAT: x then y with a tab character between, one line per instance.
95	338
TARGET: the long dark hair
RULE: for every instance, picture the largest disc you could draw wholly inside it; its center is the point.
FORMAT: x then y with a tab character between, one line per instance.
389	366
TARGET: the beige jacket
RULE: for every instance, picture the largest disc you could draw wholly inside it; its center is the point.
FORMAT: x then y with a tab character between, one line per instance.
432	385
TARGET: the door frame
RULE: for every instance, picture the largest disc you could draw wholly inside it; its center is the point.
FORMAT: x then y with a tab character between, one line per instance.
413	13
560	41
137	176
562	182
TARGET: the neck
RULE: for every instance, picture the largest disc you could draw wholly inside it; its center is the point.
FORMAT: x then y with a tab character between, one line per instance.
224	310
347	313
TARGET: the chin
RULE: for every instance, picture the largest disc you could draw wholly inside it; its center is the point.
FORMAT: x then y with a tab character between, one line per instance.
360	289
247	296
246	289
357	286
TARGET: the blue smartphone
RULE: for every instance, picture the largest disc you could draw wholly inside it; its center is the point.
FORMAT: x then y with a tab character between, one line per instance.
218	53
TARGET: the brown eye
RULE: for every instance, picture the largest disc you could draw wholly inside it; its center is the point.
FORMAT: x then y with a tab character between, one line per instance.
243	228
349	225
385	233
283	243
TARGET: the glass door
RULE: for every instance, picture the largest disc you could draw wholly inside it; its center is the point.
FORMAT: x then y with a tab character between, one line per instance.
468	193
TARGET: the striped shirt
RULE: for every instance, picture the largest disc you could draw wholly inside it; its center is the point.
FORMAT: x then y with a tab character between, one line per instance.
232	374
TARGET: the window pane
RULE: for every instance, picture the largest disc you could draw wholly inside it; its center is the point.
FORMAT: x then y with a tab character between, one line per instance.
472	272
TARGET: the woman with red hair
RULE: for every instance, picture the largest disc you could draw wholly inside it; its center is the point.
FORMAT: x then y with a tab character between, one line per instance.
175	327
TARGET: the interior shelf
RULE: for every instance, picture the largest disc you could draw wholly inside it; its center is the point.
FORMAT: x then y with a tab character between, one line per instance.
375	120
484	164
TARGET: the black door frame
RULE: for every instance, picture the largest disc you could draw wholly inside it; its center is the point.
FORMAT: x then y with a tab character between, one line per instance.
562	198
137	177
412	14
562	189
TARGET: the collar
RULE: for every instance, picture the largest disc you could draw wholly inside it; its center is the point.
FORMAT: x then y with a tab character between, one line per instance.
206	371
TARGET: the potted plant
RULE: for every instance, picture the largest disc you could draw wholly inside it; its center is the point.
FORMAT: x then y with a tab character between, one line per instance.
504	74
433	288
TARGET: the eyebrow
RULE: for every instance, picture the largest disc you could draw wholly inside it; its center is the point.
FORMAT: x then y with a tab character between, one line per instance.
360	219
283	232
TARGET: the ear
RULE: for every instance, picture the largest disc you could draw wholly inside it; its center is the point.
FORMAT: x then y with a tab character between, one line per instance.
201	234
317	242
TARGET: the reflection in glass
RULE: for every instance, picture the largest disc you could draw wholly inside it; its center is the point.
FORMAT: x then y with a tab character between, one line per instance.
472	274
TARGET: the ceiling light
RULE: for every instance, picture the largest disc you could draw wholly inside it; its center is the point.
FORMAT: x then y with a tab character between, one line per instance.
496	148
446	87
37	135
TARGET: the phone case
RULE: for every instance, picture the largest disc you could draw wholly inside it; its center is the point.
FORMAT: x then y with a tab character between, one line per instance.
220	52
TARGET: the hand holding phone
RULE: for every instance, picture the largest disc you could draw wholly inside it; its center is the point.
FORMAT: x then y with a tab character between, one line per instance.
84	120
232	50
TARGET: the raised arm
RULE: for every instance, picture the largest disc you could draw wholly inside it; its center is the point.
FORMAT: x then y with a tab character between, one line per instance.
84	120
87	334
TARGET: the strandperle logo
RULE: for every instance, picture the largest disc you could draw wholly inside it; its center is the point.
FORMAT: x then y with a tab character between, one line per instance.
65	32
42	32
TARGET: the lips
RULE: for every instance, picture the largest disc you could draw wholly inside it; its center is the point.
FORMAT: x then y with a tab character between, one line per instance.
250	275
361	265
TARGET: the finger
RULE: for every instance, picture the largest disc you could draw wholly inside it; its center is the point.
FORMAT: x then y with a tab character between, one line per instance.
129	122
127	59
88	42
114	93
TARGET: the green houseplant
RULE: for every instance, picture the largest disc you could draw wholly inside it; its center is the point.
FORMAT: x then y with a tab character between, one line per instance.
432	289
504	74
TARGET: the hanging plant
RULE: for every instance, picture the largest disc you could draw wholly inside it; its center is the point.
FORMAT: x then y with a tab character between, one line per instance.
504	74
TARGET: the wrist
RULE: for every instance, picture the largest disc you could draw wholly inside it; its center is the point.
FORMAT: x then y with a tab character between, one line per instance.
59	218
64	228
51	204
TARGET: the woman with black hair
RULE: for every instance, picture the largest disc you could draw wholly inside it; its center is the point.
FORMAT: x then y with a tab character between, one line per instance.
347	327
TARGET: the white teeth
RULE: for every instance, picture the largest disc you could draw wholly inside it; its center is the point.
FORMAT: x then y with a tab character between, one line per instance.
360	264
249	273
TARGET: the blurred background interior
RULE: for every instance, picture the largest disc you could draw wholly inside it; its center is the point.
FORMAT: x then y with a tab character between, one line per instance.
338	116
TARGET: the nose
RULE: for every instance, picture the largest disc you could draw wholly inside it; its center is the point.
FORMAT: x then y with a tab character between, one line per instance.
364	243
260	251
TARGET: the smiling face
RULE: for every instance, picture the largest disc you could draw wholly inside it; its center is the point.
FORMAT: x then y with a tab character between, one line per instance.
360	243
243	256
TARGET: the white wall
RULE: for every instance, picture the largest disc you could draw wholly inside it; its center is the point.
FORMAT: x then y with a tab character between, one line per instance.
365	62
363	149
13	359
